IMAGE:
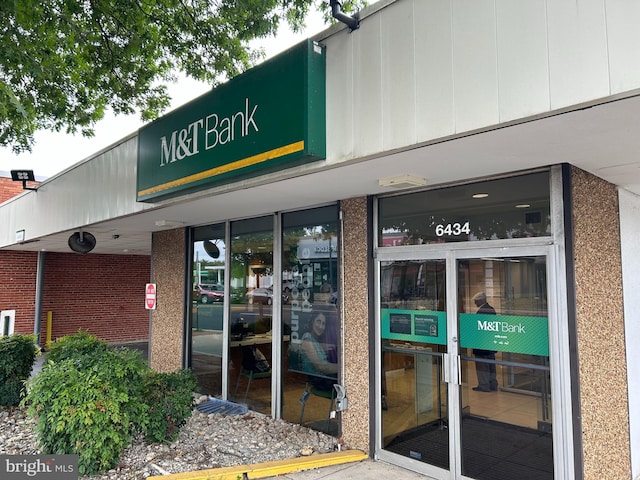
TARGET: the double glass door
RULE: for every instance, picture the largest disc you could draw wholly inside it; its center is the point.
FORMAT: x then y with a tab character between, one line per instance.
465	383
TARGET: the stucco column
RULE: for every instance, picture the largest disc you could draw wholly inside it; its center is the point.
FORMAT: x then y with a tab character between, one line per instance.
355	420
167	322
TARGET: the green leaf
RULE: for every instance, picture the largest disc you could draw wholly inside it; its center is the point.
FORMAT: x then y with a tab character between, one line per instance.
66	63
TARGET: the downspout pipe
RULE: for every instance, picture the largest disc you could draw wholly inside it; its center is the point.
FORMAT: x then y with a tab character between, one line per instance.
336	12
39	292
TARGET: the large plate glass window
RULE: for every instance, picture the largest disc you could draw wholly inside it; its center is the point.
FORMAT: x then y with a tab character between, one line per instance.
251	313
310	327
207	304
515	207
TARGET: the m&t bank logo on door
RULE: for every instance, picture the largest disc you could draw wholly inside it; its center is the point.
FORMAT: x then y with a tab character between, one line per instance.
500	327
505	333
49	467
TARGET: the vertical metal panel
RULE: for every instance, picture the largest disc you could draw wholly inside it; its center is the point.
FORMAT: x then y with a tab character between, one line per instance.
340	116
523	71
398	76
578	63
623	32
99	189
475	80
367	88
433	69
630	250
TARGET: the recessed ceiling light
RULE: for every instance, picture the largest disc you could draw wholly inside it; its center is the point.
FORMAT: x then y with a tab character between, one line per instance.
480	195
523	205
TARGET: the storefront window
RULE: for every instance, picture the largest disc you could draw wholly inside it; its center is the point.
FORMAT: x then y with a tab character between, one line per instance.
207	303
310	326
251	313
517	207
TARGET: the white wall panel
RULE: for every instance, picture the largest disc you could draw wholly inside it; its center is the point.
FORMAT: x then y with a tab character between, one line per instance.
623	32
339	97
423	70
99	189
434	69
629	234
523	73
367	88
578	63
475	78
398	74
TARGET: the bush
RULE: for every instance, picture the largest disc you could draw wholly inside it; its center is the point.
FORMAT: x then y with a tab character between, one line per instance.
90	401
90	411
169	397
17	354
81	345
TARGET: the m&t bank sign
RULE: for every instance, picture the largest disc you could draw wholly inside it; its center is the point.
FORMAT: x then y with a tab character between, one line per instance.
505	333
269	118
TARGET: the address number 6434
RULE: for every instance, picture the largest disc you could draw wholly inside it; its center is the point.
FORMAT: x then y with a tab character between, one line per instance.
453	229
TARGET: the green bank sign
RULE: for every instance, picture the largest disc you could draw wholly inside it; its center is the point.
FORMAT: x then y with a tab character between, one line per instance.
270	118
505	333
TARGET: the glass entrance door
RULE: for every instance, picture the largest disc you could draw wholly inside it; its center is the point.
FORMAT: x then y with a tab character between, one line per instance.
504	412
413	325
464	366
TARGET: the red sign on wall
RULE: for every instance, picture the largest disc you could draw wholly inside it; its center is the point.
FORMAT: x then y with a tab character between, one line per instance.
150	296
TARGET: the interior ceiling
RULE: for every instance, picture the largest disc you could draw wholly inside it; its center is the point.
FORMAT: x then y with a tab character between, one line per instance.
602	139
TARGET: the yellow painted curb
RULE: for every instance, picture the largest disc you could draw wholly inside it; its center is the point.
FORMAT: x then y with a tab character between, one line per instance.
269	469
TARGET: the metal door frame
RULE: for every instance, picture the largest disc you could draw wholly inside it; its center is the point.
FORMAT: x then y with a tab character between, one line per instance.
558	348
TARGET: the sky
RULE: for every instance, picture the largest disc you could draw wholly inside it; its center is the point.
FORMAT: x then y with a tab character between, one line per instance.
53	152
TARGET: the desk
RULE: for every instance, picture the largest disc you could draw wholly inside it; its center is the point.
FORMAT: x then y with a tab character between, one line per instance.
254	340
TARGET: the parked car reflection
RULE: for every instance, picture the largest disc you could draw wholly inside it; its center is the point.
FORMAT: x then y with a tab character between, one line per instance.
264	296
205	293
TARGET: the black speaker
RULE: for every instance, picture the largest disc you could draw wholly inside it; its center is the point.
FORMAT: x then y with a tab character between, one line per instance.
82	242
211	248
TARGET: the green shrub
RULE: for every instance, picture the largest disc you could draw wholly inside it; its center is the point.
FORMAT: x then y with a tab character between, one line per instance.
89	399
169	397
89	404
81	345
17	354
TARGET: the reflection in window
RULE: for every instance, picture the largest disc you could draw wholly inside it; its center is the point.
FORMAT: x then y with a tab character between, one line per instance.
309	316
251	313
207	307
514	207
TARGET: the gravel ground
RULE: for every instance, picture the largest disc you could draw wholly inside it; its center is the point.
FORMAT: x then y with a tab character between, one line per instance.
205	441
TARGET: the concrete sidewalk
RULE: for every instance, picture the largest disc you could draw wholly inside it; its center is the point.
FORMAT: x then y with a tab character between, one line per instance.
336	465
363	470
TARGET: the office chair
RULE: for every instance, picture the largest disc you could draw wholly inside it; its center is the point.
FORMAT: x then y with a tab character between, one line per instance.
252	368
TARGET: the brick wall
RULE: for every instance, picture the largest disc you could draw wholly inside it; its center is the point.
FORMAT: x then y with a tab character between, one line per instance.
18	287
9	188
103	294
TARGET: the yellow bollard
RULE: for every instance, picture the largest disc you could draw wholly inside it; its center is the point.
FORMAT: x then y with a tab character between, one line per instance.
49	322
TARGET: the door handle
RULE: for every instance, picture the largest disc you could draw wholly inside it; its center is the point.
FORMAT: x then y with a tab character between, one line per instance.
451	370
445	367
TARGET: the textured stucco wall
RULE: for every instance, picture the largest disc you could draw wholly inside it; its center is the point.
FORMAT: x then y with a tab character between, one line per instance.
167	257
600	328
355	420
